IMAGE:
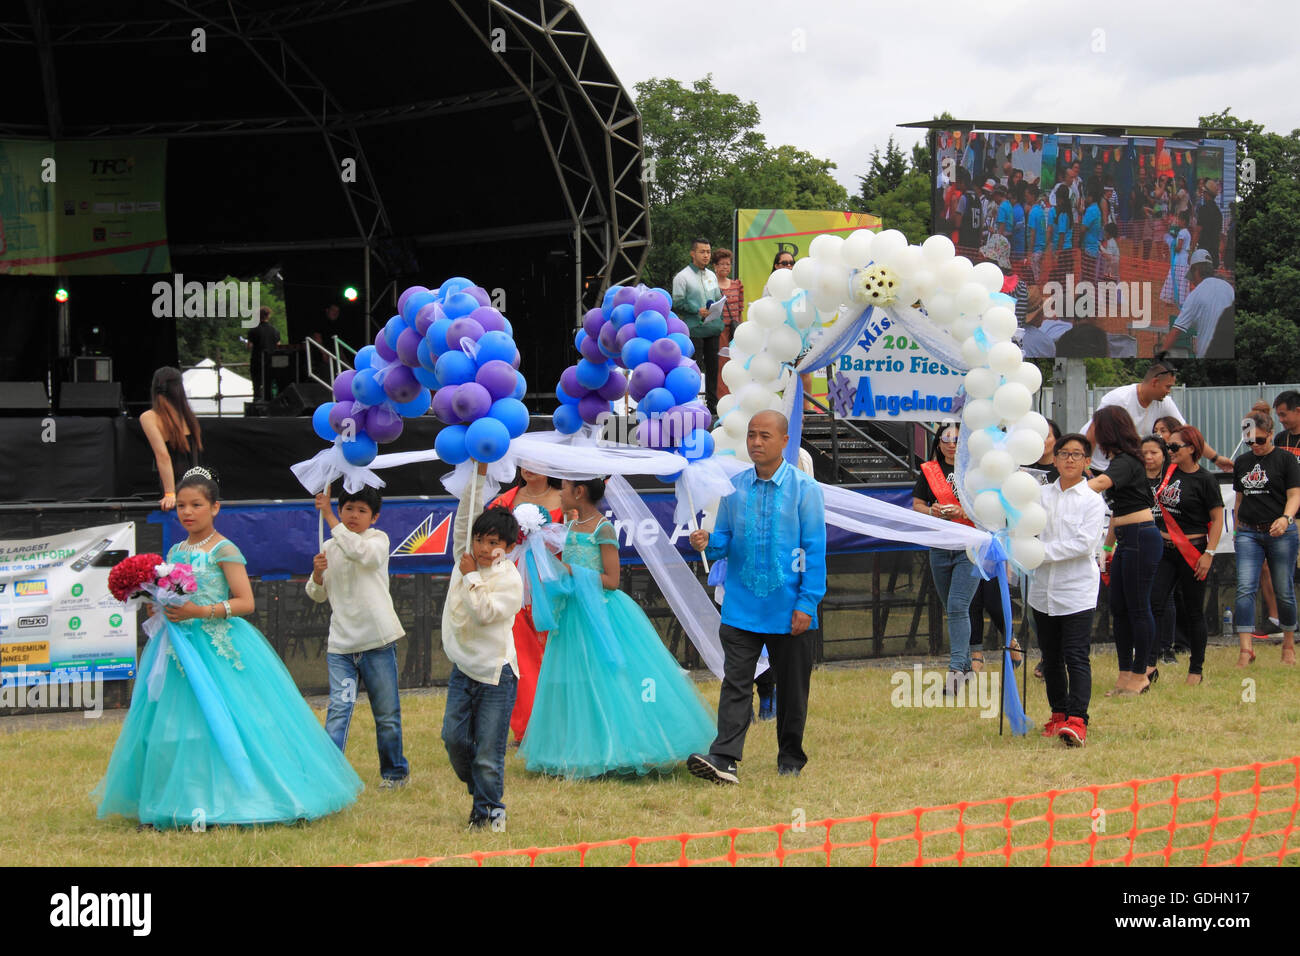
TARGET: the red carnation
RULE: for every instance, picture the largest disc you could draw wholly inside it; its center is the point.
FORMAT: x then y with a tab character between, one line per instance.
126	577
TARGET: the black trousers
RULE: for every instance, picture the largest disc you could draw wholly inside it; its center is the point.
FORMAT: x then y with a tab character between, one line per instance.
1065	641
988	597
791	658
706	357
1176	591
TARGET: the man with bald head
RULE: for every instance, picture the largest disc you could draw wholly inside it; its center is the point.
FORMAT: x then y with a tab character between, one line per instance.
772	531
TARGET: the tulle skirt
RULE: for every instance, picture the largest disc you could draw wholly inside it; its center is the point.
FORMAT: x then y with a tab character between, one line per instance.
612	703
170	770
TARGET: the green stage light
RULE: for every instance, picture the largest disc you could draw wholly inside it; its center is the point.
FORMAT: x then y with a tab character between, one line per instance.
61	295
350	293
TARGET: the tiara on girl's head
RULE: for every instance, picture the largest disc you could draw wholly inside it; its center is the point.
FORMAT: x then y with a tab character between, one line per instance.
201	472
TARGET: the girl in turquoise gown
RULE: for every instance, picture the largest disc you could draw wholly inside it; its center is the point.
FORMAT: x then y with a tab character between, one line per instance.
610	698
220	733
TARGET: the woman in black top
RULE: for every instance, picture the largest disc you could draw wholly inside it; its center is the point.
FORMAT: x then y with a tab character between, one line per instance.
172	431
1190	501
1267	482
1155	456
1136	550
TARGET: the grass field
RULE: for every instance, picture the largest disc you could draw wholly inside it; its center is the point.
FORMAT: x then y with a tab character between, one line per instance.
866	755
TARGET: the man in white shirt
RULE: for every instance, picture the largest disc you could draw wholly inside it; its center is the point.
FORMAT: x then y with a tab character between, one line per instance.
1207	313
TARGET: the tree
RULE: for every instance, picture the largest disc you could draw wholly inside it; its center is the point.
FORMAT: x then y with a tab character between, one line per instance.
884	174
224	339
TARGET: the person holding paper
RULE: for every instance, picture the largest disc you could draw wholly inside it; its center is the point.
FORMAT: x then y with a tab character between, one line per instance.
698	302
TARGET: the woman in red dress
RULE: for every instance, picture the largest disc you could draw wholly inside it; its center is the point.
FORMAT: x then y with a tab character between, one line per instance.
733	313
544	492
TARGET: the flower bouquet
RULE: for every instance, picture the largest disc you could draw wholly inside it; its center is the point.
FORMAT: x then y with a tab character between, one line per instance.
146	577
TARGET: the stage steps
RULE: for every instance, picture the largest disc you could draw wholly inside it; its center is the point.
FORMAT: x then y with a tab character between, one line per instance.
865	460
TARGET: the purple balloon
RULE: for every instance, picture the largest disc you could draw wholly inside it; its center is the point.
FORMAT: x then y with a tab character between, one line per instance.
401	385
406	294
480	295
608	338
626	334
514	362
591	350
498	378
591	407
645	376
624	296
677	325
698	416
615	386
442	407
342	411
339	413
408	345
674	425
649	433
383	348
652	301
489	318
665	354
343	385
383	424
428	315
465	328
593	322
471	401
569	382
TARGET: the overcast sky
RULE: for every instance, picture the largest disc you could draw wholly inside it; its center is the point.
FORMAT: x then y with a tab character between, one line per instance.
835	76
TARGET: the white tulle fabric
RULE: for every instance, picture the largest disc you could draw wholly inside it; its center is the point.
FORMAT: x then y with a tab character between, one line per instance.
939	343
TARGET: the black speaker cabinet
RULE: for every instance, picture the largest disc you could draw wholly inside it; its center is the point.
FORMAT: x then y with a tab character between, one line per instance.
90	398
300	399
23	398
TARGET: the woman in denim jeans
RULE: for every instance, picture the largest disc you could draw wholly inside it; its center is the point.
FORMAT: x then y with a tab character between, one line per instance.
1137	547
955	577
1267	482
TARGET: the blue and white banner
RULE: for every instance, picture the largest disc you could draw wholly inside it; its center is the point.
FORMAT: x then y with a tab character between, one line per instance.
887	375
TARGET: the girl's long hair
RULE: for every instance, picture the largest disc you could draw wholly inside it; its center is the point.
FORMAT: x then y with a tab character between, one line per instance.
173	410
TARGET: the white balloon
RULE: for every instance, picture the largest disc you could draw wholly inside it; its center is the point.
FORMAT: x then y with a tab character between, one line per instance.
979	414
905	262
764	369
805	272
767	313
998	465
834	281
727	402
999	324
1027	552
1027	375
978	444
964	328
784	344
827	319
829	301
856	251
1005	357
976	481
1032	520
1012	401
988	275
804	310
924	281
971	298
826	249
887	244
940	307
981	383
1020	489
938	250
1025	445
780	284
1035	422
749	337
973	354
736	425
735	376
953	273
988	510
753	399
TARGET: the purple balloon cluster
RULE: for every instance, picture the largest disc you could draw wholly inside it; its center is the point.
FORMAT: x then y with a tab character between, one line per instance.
451	340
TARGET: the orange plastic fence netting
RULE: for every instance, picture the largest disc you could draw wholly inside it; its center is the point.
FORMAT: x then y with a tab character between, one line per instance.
1229	817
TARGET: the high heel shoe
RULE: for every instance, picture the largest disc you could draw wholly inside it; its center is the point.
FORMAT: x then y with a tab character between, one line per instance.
1153	676
1245	657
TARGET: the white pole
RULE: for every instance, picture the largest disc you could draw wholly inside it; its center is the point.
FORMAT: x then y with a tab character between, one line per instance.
695	524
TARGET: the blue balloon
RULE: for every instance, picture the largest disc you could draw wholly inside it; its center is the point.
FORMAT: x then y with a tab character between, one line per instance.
364	358
591	375
455	284
424	352
395	327
521	386
361	450
425	377
564	397
512	413
670	479
683	342
487	439
684	383
459	305
635	352
698	444
450	444
579	338
621	315
566	419
656	401
366	389
414	304
437	336
320	421
509	329
495	345
416	406
454	368
651	325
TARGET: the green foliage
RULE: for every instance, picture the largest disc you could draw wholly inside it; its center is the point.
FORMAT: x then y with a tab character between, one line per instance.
884	174
220	339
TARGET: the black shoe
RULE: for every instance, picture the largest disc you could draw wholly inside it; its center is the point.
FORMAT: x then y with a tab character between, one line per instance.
718	770
1168	658
787	771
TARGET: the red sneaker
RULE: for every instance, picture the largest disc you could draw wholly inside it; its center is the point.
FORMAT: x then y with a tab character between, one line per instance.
1053	725
1074	732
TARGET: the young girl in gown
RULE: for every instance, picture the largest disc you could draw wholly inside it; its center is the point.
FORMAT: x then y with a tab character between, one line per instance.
529	644
227	739
610	698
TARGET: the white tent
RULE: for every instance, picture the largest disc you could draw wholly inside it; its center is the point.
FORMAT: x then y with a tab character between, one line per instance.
201	389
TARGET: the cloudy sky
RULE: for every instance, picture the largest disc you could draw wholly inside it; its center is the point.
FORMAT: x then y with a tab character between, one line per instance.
836	76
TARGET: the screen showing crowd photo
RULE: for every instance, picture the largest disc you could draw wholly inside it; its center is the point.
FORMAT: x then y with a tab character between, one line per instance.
1118	247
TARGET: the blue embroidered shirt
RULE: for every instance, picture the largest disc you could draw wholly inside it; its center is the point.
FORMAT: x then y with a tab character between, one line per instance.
772	531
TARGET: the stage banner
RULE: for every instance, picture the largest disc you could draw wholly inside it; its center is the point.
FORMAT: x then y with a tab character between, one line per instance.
83	207
889	376
279	539
58	620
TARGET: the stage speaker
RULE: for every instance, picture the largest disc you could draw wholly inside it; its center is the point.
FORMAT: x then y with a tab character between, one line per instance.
90	398
300	398
23	398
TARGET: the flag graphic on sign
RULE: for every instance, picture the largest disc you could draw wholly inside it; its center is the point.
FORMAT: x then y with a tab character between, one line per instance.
426	539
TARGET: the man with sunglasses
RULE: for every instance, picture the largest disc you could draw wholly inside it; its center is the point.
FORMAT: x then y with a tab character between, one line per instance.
1287	406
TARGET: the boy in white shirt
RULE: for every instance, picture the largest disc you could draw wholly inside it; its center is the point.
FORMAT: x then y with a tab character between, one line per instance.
352	574
483	597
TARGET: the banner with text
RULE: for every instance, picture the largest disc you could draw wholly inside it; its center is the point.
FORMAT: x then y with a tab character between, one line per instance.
58	620
887	375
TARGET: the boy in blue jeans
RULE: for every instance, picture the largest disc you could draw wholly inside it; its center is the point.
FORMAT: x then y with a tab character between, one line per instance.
483	597
352	574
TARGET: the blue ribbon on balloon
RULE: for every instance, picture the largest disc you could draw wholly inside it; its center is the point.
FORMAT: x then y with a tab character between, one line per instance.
993	563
